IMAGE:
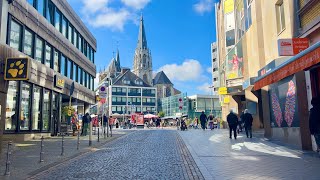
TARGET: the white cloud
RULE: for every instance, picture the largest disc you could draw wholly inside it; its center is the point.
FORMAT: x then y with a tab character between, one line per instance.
136	4
189	70
205	88
209	70
106	13
203	6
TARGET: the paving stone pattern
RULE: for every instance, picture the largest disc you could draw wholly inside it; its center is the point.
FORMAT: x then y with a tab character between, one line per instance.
221	158
144	154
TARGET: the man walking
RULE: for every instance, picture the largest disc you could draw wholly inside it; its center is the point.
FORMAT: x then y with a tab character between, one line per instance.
203	120
247	119
232	120
314	121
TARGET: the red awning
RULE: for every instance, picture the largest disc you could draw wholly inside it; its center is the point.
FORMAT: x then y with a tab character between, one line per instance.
300	62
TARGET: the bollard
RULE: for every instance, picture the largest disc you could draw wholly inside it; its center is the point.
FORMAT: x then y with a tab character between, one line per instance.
111	130
78	142
107	129
104	132
62	145
90	134
8	162
98	134
41	150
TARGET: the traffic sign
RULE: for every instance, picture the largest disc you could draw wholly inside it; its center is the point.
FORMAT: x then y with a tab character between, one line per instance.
103	91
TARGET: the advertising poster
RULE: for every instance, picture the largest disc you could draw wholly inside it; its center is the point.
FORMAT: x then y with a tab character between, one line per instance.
139	119
283	102
234	64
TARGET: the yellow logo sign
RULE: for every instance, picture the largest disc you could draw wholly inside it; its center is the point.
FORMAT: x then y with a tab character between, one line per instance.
232	76
226	100
222	91
16	69
59	82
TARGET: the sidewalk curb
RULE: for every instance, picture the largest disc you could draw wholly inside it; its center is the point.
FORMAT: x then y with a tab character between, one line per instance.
46	168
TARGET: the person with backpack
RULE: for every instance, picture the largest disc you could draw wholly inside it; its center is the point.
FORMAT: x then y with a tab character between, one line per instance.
247	120
314	121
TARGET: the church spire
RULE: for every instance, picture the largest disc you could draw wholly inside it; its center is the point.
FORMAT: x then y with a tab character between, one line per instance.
118	66
142	40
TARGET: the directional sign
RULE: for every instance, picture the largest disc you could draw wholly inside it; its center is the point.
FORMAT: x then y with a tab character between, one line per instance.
103	92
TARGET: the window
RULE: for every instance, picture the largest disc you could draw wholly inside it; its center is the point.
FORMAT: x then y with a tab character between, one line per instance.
114	108
69	68
90	58
39	50
92	55
89	81
230	38
63	65
80	43
64	27
25	107
281	24
75	72
31	2
70	33
36	109
28	42
79	75
58	20
214	79
41	7
46	110
114	89
75	38
50	12
11	116
48	55
56	61
84	80
15	35
92	83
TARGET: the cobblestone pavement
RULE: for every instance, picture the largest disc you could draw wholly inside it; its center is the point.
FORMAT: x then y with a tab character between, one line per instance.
26	155
144	154
219	157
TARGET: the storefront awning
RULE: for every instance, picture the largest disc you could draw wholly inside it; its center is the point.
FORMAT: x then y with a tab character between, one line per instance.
300	62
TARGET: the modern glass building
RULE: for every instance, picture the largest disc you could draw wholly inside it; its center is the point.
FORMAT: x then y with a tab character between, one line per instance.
61	51
170	105
209	104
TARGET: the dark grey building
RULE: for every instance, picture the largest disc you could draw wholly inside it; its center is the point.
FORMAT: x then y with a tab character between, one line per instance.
61	50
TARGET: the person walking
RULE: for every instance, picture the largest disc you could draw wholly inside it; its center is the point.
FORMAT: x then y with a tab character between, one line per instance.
247	120
314	121
196	122
232	120
210	118
203	120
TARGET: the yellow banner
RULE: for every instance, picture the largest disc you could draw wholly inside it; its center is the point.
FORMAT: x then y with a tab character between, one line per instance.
222	91
228	6
226	100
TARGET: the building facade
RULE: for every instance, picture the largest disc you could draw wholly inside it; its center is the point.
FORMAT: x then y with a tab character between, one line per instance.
61	52
215	69
170	106
209	104
142	64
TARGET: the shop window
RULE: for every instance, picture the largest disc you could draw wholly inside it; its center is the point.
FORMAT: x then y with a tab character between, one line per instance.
36	110
39	50
58	20
64	27
280	17
28	42
69	68
15	35
11	116
41	7
46	110
63	65
56	61
50	12
25	106
75	72
48	55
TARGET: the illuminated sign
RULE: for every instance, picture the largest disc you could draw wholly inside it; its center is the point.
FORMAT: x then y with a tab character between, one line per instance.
17	69
59	82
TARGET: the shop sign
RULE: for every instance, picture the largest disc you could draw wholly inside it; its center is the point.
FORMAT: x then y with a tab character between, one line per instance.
58	82
226	100
223	91
234	82
291	47
17	69
140	120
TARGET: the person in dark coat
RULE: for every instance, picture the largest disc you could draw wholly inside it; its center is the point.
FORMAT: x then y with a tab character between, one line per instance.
84	125
314	121
232	120
247	120
203	120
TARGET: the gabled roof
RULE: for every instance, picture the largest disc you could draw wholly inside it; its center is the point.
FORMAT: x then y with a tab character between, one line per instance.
161	78
132	78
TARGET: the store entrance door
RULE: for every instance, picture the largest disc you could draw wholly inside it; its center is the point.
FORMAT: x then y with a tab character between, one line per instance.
55	127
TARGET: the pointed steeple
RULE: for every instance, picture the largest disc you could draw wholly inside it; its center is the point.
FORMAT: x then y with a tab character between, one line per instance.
142	40
118	66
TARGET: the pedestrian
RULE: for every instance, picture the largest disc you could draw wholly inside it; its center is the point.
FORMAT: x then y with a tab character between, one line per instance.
247	120
84	125
211	125
74	122
314	121
232	120
203	120
196	122
105	120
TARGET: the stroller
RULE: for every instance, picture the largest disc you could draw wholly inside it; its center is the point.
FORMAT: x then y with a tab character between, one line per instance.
183	125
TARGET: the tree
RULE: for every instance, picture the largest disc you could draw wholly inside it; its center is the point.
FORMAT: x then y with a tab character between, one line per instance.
161	114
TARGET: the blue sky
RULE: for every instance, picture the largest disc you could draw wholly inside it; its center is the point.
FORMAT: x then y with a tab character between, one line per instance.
179	33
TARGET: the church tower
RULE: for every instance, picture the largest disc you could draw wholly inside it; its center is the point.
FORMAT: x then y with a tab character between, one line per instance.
142	65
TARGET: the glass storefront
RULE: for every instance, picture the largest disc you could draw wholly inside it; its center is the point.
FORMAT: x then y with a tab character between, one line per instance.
25	106
11	116
36	117
46	110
